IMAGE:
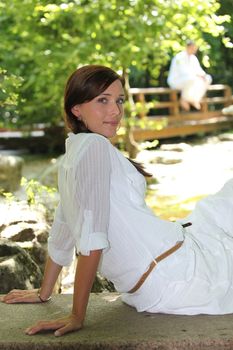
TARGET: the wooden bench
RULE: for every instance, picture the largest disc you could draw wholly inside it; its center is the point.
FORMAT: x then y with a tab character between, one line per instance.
176	121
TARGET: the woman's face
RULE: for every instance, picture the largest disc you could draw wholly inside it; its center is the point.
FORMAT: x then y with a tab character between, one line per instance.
102	115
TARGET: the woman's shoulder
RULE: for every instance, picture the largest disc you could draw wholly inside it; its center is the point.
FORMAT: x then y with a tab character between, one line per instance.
97	138
88	138
96	141
85	142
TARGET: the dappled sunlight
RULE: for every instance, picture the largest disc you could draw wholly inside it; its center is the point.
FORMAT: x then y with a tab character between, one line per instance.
110	297
20	211
202	170
6	213
170	207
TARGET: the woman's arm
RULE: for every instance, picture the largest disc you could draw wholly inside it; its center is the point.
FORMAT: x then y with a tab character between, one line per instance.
51	273
84	278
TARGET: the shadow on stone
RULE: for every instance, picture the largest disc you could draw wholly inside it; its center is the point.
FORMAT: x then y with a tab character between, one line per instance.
17	269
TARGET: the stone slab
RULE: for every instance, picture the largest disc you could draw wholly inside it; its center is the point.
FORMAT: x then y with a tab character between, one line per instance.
112	325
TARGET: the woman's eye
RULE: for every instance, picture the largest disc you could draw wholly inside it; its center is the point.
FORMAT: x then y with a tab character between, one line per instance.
121	101
102	100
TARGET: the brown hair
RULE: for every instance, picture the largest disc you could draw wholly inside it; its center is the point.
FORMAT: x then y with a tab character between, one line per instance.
83	85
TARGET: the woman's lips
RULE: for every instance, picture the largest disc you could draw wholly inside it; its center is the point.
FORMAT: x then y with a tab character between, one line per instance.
112	123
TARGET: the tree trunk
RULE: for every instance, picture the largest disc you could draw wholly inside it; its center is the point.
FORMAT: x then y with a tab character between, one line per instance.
130	144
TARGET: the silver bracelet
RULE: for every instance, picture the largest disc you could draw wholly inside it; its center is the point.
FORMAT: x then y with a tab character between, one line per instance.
42	300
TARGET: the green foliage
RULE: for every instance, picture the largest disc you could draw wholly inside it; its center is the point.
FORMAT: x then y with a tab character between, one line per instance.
7	195
154	124
36	194
43	42
35	191
9	96
148	145
222	54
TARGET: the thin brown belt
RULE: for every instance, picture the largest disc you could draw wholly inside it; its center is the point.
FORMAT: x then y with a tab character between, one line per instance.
156	261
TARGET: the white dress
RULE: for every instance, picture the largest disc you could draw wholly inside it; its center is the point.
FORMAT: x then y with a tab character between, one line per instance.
184	74
102	207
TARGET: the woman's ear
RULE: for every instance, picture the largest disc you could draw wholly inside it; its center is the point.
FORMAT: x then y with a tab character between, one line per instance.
75	110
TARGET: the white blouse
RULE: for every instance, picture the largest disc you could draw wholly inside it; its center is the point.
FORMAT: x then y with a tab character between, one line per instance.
102	206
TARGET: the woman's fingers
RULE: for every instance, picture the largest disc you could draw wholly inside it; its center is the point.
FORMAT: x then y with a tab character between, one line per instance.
21	296
42	326
12	294
23	299
61	326
70	327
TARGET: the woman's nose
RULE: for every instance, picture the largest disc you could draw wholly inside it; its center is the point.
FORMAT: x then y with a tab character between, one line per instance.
115	109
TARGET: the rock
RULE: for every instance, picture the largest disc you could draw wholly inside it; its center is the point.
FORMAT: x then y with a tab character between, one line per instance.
28	228
165	157
17	269
10	172
36	251
170	153
16	212
226	137
26	234
24	231
178	147
102	284
228	110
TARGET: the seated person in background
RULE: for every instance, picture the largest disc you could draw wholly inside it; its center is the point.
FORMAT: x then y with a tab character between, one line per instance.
186	74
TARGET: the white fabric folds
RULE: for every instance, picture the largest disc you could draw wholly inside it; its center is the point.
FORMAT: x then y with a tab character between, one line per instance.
60	242
81	221
90	240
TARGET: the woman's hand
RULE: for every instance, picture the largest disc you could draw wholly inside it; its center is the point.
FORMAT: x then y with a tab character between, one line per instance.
61	325
21	296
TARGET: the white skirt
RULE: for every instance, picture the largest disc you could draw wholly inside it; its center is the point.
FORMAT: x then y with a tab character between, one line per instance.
192	88
198	278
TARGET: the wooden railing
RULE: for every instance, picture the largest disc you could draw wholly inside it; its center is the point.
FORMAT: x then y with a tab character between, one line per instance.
178	122
172	98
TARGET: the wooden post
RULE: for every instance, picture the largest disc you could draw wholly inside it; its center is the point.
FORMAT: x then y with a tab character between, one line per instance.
174	109
227	95
141	99
204	105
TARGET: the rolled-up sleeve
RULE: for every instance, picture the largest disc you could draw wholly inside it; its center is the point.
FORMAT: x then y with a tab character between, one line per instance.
93	194
61	243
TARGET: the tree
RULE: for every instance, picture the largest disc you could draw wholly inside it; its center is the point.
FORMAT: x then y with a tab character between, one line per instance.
44	42
9	95
221	48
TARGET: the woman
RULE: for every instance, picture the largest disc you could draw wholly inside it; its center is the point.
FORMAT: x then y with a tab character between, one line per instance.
156	265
